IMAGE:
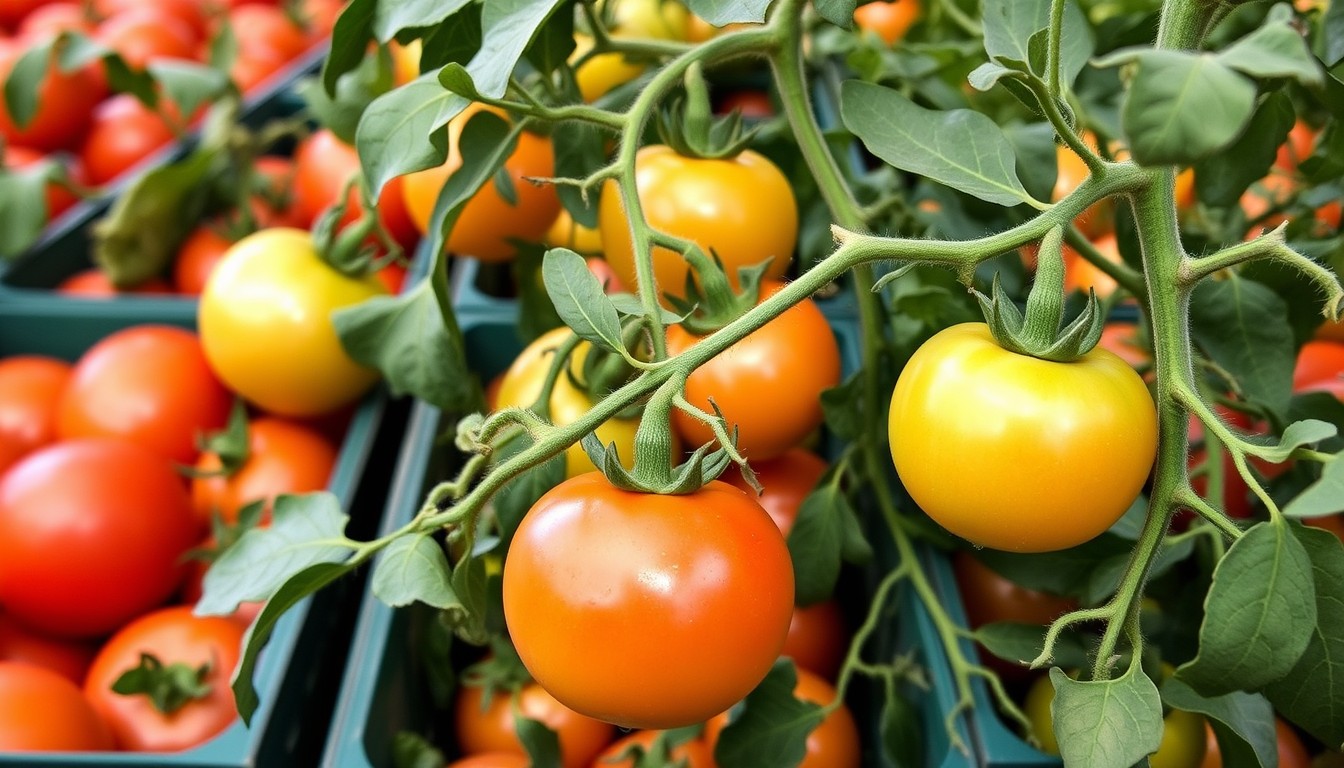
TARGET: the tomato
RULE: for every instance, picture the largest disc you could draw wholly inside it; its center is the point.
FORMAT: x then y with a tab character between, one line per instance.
817	639
173	636
149	384
59	199
1318	362
832	744
265	321
405	60
1182	744
193	584
567	233
741	209
990	597
197	257
319	16
68	658
750	103
145	35
266	33
522	384
1292	752
193	13
392	276
603	72
40	711
323	165
786	480
489	222
91	535
1081	274
793	358
13	11
1099	218
93	283
685	599
694	752
30	391
283	457
1122	339
493	760
1016	453
630	19
65	100
123	133
888	20
483	728
1297	146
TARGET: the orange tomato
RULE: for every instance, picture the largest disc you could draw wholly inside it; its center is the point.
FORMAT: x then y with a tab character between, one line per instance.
694	752
832	744
888	20
283	457
40	711
489	727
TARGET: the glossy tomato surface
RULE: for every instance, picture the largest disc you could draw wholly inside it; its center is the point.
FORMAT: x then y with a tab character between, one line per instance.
686	600
1016	453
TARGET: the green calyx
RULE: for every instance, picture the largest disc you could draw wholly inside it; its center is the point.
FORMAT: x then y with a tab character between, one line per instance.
688	125
709	301
169	687
352	249
1036	331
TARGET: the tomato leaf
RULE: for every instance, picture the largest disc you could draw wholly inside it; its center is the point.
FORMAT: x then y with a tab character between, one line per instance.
838	12
1297	435
1241	325
536	311
455	40
411	750
837	404
1243	722
517	496
963	149
899	728
1021	643
468	619
769	727
403	130
303	532
1274	50
341	108
413	569
723	12
1180	106
579	151
393	17
349	41
294	589
405	338
1256	615
553	44
187	85
580	299
23	206
1010	24
1225	176
825	533
1106	724
1066	572
1323	497
1310	694
542	743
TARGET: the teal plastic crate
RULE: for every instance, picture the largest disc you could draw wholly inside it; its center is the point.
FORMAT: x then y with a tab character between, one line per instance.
290	666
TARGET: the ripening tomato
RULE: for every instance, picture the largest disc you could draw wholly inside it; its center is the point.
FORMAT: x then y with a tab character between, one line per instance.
1099	218
484	728
567	233
786	480
68	658
265	323
13	11
1318	361
1123	340
990	597
489	222
888	19
741	209
266	33
1298	146
832	744
93	283
173	636
30	392
493	760
1016	453
150	384
1081	275
59	198
197	257
323	166
695	752
65	100
52	19
634	19
1292	752
686	600
521	386
40	711
123	133
144	35
817	639
768	385
283	457
92	533
193	13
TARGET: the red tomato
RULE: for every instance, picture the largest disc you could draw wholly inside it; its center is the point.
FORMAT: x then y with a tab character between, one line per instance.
68	658
1318	362
1292	752
123	133
694	752
749	102
832	744
817	638
283	457
59	199
786	480
320	17
93	283
40	711
323	165
30	391
1296	147
145	34
768	385
91	535
493	760
65	101
197	257
52	19
989	597
490	727
1123	340
267	33
13	11
393	277
173	636
194	13
150	384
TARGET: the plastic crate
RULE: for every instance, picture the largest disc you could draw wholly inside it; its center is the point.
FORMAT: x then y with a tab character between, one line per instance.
289	667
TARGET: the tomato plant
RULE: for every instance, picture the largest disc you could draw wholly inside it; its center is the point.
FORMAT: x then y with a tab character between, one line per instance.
487	725
694	752
40	711
679	643
281	457
65	102
834	743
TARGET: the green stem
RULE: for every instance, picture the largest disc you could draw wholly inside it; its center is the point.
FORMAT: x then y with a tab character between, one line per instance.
1052	46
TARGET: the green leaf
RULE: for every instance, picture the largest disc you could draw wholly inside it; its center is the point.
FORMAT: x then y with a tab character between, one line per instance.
1066	572
1323	497
1182	107
1257	614
724	12
1244	722
825	533
1010	24
899	728
1241	325
542	743
453	41
1022	643
23	206
1225	176
411	569
517	496
552	46
403	130
1333	25
411	750
1274	50
508	27
770	729
349	41
579	298
294	589
187	84
303	532
486	142
1310	694
579	150
392	17
24	81
838	12
837	404
1297	435
471	582
1034	147
963	149
405	338
536	311
1106	724
341	109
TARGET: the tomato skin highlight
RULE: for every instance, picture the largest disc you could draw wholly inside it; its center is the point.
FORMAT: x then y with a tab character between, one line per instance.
1015	453
91	535
173	635
685	599
40	711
